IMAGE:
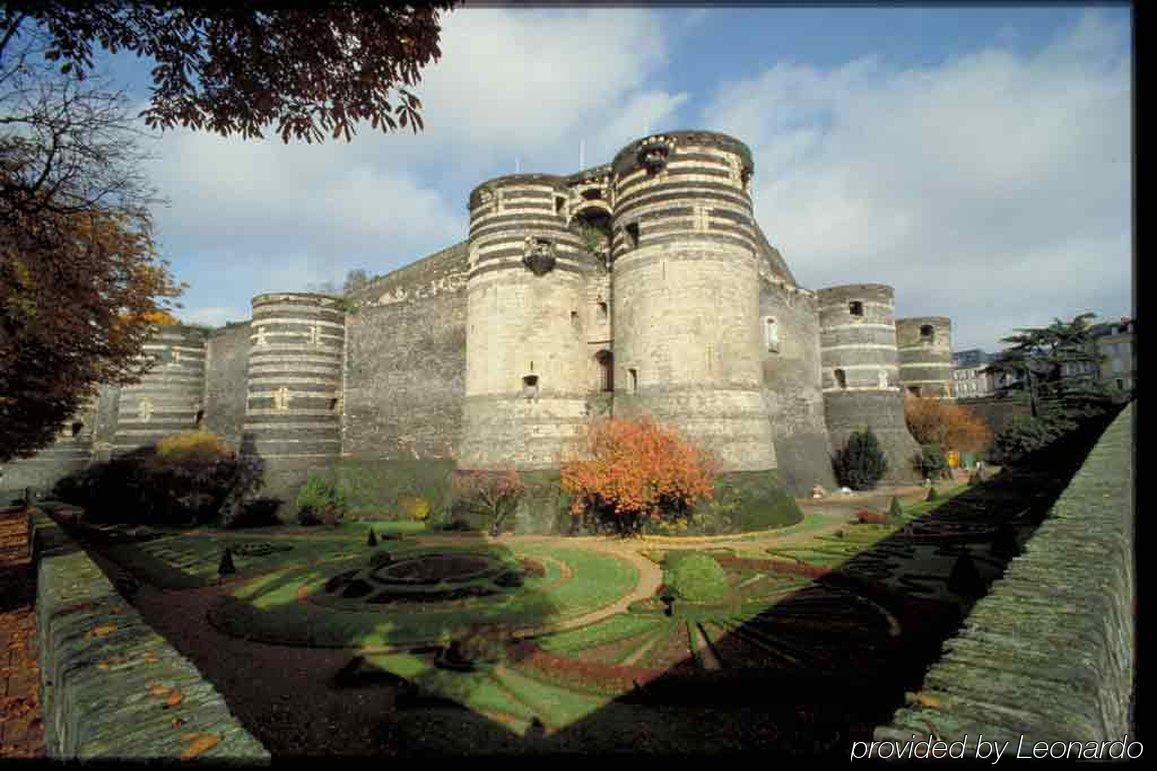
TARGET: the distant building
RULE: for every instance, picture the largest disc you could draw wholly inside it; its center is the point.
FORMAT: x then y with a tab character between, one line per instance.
969	380
1118	366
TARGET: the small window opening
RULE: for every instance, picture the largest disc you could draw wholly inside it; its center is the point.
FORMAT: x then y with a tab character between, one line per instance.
1120	385
771	334
333	404
856	308
199	418
914	390
841	378
927	333
574	319
603	310
634	373
594	194
559	204
530	386
632	233
606	361
76	427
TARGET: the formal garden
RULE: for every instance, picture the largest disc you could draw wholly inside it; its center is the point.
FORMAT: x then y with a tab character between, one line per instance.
697	612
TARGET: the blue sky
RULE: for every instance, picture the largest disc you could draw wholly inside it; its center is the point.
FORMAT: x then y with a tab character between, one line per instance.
977	159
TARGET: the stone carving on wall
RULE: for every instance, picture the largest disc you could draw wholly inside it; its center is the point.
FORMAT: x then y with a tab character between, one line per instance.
653	153
539	255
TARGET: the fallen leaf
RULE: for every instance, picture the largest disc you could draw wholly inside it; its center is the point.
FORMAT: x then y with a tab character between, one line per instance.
177	722
174	698
103	630
198	743
925	700
156	689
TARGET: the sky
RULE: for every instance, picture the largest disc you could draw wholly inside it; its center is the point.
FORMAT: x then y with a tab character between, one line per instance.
978	160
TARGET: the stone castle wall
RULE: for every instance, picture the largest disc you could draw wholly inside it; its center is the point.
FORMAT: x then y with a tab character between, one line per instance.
405	365
860	372
639	287
925	346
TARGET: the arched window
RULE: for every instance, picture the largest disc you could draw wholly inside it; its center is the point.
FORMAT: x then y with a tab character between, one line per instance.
606	361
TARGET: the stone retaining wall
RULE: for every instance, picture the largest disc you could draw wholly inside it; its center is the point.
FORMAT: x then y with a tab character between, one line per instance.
1049	653
111	686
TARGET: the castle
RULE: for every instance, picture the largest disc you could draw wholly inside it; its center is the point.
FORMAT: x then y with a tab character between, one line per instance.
639	287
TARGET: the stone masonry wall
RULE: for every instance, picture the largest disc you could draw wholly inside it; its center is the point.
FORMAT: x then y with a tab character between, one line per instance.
1049	653
227	355
791	386
406	362
106	676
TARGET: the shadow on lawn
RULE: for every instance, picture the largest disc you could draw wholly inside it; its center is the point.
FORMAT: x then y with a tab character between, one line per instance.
835	657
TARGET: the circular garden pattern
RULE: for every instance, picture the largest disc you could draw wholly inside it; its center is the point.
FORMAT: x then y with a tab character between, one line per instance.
407	596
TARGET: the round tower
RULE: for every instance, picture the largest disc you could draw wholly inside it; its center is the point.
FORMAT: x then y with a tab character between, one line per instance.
170	395
294	386
925	345
686	323
860	372
528	380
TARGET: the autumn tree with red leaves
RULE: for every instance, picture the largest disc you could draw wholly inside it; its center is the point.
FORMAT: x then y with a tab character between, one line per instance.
636	471
947	425
492	494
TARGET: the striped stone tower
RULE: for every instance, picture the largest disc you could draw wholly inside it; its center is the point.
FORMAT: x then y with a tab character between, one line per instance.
925	345
860	371
529	374
687	330
294	387
169	397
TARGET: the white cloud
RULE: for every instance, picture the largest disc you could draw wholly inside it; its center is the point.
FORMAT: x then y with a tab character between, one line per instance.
994	188
249	216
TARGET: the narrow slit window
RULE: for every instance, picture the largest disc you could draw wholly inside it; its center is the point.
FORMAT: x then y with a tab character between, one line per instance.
76	427
632	234
771	334
574	319
841	378
199	418
603	310
634	374
606	362
560	205
856	308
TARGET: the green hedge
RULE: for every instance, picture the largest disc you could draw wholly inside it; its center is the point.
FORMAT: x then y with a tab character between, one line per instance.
695	576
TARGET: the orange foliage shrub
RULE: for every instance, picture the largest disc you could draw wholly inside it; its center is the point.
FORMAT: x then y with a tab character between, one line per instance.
951	426
635	471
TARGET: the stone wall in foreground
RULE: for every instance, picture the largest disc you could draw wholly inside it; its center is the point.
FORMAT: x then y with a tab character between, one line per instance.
106	676
1049	653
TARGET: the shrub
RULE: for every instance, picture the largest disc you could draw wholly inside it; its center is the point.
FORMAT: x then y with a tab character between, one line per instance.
931	462
695	577
493	495
635	472
320	501
861	464
191	477
950	426
1025	436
